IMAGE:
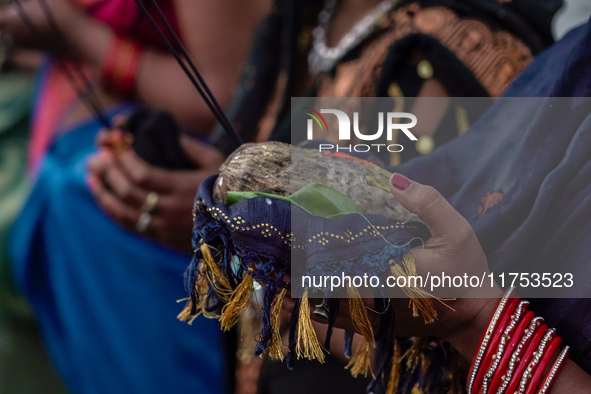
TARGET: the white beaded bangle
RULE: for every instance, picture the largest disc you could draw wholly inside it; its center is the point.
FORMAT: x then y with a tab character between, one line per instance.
516	356
505	338
527	375
554	370
487	335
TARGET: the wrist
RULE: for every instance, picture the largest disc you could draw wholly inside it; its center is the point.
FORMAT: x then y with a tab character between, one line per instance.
466	339
120	65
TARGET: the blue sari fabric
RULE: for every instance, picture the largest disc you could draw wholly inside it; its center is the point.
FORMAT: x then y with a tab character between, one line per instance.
105	298
522	177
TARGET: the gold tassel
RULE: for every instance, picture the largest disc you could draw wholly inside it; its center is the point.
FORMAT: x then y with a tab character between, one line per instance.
360	363
201	289
208	272
359	315
238	302
212	272
186	316
395	371
421	301
186	312
307	344
414	353
275	351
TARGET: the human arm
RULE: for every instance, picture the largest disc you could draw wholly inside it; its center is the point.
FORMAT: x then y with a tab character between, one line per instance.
453	248
453	237
159	82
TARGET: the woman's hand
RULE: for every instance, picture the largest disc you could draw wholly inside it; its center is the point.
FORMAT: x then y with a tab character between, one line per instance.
124	185
454	249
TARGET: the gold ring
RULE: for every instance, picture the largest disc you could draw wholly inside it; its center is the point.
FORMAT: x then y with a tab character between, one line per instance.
150	203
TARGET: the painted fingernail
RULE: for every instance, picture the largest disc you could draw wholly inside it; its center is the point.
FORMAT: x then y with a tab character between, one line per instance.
400	182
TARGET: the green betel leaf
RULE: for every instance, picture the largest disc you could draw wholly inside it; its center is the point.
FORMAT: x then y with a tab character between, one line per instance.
324	201
316	199
234	197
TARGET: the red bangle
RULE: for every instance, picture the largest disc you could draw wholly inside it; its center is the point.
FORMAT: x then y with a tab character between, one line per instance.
517	354
486	336
527	355
541	367
516	339
120	66
501	349
554	371
526	379
496	338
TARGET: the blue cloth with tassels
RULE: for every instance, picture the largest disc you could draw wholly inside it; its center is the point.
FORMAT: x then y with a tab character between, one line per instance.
105	298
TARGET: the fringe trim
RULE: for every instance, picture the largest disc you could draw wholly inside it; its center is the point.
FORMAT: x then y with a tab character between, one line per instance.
211	270
421	302
307	344
359	315
395	372
360	363
191	310
237	304
414	355
185	315
209	273
275	350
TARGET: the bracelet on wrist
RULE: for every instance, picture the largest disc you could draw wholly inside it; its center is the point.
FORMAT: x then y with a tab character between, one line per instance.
514	339
495	341
120	66
486	337
554	371
517	355
517	352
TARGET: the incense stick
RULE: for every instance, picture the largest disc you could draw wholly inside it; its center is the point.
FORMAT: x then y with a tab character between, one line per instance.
86	93
195	78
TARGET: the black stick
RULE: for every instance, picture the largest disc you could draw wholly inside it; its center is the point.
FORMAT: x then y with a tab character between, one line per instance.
87	96
73	58
196	78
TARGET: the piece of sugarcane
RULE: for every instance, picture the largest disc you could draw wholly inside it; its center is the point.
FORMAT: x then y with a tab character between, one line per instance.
283	169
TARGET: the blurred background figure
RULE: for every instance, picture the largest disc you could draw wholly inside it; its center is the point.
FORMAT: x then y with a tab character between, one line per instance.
21	348
104	296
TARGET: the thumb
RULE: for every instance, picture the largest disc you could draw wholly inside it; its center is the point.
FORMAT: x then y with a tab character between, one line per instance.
429	205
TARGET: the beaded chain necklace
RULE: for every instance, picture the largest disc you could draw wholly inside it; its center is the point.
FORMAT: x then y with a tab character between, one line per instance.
321	57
